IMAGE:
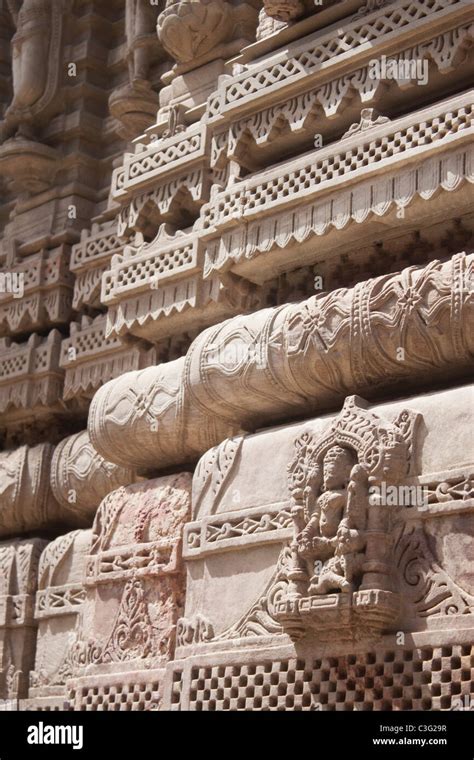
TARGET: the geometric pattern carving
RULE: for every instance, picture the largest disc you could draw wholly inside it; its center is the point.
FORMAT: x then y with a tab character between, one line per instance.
425	678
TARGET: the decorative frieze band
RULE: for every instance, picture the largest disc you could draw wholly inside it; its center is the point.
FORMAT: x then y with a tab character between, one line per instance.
447	171
323	169
90	358
31	380
59	600
431	495
165	203
44	295
327	50
300	112
160	157
90	258
233	530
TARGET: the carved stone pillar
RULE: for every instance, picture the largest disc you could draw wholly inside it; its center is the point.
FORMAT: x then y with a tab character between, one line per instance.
254	369
135	104
26	500
18	580
36	67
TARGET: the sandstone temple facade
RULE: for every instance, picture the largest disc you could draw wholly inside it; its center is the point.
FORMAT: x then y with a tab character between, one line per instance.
236	341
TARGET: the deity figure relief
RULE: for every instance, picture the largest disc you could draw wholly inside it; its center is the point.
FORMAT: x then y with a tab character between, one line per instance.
332	541
339	571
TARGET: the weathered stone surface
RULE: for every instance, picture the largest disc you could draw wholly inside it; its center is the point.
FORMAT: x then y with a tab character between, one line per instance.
89	358
26	500
44	298
135	104
152	413
235	530
189	29
135	592
30	380
44	487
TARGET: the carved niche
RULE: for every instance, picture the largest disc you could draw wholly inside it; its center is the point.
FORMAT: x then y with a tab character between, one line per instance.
340	570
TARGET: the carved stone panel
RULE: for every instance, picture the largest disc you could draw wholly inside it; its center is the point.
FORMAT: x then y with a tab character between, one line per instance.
340	566
135	584
59	602
356	525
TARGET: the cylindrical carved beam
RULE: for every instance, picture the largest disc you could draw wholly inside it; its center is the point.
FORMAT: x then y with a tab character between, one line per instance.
256	369
47	488
141	419
26	500
81	478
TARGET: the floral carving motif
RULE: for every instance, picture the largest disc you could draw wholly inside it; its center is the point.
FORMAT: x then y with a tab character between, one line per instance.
189	29
429	587
132	635
283	10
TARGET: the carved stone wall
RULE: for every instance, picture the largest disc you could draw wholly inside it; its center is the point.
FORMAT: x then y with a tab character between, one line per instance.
318	486
236	309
